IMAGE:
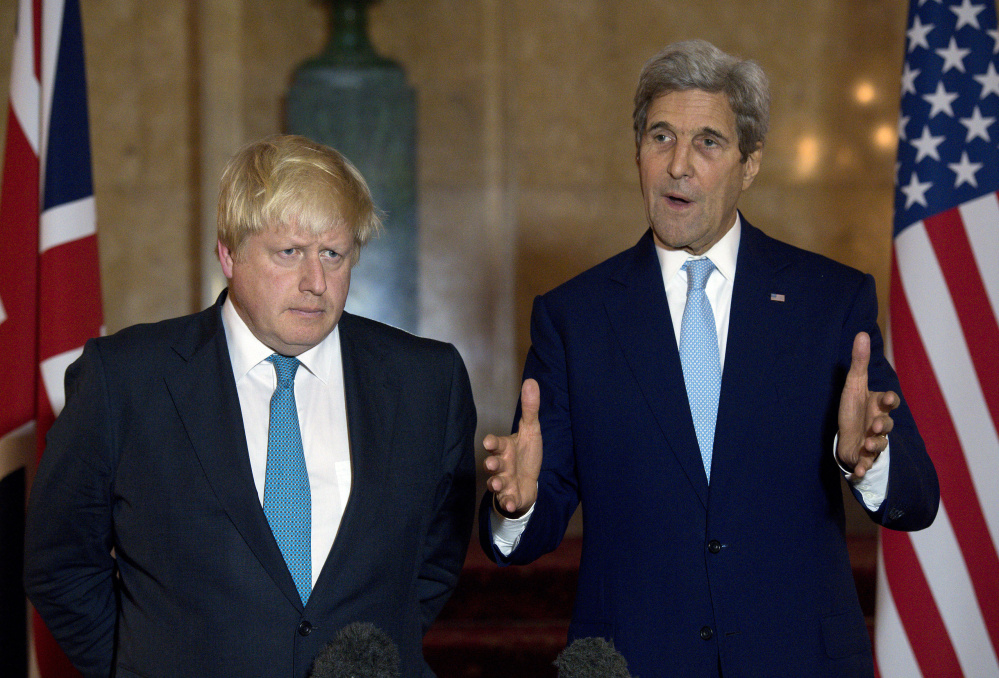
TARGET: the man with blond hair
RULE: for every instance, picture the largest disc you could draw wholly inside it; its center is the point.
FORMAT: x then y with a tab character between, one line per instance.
225	491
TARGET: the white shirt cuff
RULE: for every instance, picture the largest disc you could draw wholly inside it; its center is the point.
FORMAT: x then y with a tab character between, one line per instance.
507	531
874	485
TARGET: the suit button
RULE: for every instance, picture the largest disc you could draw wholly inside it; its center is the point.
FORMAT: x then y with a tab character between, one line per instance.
305	628
714	546
706	633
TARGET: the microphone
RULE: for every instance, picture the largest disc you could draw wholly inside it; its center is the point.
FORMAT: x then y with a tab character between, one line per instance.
358	650
591	658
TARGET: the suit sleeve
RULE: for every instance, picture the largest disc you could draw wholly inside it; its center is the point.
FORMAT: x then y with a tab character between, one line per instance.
558	492
69	572
447	538
913	493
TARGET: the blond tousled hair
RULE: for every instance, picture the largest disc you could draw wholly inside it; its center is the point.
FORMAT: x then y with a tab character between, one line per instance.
290	181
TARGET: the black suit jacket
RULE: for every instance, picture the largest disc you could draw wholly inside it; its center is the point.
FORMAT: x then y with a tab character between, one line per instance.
148	553
750	573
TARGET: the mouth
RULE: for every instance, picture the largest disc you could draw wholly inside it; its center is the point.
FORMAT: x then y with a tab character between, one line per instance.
677	200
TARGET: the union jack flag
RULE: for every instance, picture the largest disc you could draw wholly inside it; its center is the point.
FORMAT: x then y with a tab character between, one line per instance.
50	299
938	589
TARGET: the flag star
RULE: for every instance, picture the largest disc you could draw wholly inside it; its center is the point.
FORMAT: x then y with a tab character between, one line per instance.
915	191
953	56
926	145
909	76
917	34
989	81
967	14
977	125
903	120
994	34
965	171
940	101
923	2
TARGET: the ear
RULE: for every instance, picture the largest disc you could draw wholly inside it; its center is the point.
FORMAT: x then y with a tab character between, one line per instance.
226	259
751	166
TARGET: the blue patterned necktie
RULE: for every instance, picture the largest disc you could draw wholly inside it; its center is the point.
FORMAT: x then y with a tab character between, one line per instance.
700	358
287	498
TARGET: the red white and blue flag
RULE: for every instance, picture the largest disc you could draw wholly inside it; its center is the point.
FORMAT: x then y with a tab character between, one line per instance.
50	300
938	589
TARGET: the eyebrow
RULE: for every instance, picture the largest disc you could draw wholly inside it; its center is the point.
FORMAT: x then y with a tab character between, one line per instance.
662	124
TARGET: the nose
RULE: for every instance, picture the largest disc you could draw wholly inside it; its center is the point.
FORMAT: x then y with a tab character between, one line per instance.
679	162
313	275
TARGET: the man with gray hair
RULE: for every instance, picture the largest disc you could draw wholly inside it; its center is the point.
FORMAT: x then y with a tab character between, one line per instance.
225	491
701	395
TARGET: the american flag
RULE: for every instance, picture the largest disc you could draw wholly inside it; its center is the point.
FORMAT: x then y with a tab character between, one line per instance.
938	590
50	300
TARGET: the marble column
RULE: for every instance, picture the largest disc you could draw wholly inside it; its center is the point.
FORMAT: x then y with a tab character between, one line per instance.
358	102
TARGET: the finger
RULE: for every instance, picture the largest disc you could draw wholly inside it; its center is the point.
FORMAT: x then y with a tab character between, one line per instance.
496	485
530	401
861	355
490	442
882	425
876	444
862	466
888	401
508	504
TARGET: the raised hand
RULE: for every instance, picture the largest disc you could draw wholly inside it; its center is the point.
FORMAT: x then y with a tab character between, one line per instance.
514	461
864	416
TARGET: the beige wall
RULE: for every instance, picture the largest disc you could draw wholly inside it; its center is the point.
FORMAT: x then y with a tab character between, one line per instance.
526	158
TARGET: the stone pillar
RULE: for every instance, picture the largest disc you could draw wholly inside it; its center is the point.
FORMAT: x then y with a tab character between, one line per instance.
359	103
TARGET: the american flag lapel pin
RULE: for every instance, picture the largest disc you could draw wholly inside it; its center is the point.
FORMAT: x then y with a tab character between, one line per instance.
776	297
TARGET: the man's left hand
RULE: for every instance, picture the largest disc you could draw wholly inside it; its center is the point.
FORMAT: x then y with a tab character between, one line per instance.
864	416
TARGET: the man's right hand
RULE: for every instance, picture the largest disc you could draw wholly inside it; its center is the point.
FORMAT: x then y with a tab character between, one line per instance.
514	461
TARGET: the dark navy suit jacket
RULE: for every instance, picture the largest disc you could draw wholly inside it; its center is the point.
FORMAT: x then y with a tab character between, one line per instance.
149	459
751	574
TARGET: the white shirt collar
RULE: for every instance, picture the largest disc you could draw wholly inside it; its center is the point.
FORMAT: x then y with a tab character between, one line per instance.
246	351
723	254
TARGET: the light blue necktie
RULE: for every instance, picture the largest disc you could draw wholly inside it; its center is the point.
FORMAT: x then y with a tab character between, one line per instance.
287	498
699	357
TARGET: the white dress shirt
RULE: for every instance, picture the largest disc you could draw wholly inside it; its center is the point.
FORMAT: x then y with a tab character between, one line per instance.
322	417
723	254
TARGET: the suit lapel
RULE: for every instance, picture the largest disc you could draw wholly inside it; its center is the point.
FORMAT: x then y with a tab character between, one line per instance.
758	329
204	393
371	392
639	317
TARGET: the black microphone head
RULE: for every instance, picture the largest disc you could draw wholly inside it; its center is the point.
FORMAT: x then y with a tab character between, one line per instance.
591	658
358	650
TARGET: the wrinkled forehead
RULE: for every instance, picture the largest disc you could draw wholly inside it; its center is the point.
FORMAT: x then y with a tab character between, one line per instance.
327	229
694	108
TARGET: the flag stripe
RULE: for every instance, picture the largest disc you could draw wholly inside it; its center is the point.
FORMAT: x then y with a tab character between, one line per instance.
894	655
981	332
950	583
74	266
67	222
913	599
24	90
980	218
18	205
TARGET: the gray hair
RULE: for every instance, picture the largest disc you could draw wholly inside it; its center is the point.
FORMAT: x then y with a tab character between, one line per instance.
697	64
